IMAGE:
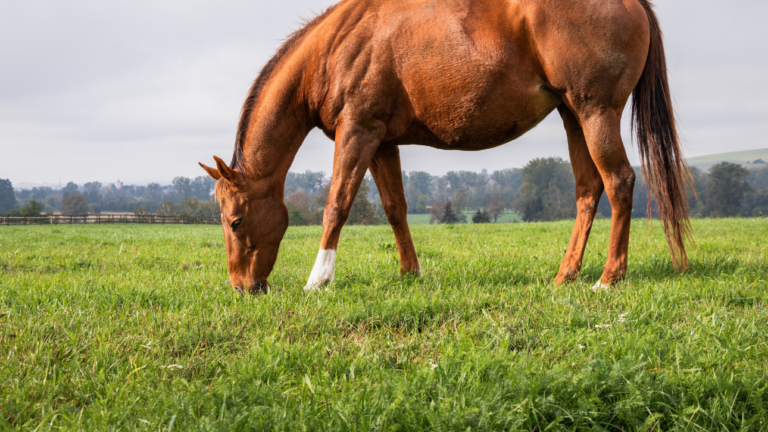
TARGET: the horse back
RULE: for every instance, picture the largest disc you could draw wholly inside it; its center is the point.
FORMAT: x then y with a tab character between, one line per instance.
463	74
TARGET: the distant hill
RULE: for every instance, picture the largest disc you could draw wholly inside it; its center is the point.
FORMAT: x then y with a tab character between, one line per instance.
745	158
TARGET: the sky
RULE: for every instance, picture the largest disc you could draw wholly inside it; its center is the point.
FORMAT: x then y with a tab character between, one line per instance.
141	91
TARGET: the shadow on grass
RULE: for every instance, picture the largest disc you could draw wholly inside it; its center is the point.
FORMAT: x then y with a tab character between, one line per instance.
710	266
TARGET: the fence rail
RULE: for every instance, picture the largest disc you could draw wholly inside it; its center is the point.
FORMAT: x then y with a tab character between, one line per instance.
105	219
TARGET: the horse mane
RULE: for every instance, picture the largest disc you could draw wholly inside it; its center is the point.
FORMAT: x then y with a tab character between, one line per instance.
238	159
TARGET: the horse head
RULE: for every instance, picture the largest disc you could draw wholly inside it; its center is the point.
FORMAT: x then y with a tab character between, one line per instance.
254	220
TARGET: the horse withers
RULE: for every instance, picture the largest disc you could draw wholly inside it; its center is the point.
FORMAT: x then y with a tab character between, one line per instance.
455	75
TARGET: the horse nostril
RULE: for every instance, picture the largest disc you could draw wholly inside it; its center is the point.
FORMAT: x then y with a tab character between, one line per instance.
261	287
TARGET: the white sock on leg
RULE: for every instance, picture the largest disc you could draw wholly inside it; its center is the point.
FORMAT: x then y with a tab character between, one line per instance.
322	272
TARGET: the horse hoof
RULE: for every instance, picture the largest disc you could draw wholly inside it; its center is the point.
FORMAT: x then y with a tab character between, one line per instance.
317	285
596	287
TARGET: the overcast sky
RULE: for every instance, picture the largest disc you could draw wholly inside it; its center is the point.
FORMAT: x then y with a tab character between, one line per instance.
142	90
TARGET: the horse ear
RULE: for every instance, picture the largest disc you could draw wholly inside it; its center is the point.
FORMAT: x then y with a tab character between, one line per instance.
213	172
228	173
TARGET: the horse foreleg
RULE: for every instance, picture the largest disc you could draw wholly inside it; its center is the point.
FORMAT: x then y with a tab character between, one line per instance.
355	147
386	171
589	187
602	131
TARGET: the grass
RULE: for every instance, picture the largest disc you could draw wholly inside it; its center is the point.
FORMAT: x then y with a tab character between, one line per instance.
132	327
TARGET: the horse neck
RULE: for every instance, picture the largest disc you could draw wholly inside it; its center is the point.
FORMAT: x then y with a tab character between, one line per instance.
277	128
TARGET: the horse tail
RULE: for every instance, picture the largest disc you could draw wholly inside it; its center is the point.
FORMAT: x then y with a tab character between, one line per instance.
664	169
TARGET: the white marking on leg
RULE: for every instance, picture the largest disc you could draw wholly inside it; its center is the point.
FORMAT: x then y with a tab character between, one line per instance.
322	272
596	287
418	270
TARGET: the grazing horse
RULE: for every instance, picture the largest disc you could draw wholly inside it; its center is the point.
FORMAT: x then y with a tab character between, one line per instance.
455	75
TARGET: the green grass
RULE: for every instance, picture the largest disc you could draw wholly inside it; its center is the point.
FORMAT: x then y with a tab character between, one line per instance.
133	327
423	219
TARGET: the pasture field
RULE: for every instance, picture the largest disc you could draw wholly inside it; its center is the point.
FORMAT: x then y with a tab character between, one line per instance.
133	327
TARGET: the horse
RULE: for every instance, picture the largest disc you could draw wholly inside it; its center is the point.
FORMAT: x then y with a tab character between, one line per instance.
455	75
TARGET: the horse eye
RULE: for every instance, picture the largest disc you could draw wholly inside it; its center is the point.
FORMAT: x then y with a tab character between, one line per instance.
236	224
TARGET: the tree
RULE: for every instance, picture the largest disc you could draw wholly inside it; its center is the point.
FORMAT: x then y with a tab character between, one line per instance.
757	204
296	217
381	215
441	189
481	217
92	192
421	205
508	182
454	181
299	199
726	189
202	186
153	192
421	181
465	179
183	187
210	209
460	198
306	182
362	212
69	189
167	208
697	201
299	212
758	178
547	192
41	193
435	210
7	197
495	207
322	199
74	204
190	207
31	208
412	194
373	194
449	217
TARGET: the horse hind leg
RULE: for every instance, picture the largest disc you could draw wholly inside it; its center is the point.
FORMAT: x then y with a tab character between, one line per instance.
603	135
589	188
386	171
355	147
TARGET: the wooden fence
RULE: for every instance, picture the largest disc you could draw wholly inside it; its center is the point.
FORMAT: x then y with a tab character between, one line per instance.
105	219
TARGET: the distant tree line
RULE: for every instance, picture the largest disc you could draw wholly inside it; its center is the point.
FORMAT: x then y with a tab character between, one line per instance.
183	197
543	190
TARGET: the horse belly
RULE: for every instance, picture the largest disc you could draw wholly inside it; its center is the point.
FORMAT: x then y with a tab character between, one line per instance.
480	121
470	91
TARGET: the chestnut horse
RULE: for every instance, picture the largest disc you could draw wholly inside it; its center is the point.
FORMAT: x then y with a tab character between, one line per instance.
454	75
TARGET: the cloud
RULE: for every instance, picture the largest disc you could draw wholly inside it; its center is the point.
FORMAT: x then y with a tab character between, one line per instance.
143	90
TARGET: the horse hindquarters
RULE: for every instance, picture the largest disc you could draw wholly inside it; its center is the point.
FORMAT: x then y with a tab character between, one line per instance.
589	187
594	57
603	137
